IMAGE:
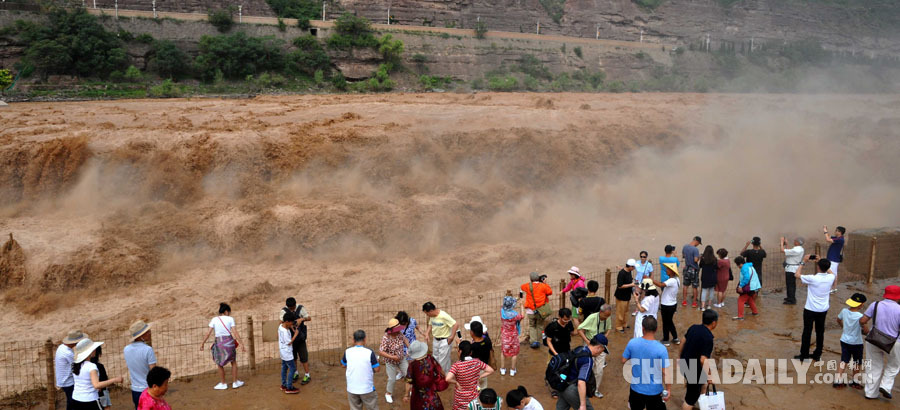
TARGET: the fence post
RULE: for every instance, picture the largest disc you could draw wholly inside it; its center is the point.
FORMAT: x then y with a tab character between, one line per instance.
343	328
606	284
562	297
872	263
252	343
818	249
51	376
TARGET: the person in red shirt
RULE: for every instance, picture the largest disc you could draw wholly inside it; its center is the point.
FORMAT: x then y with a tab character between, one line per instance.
536	294
152	397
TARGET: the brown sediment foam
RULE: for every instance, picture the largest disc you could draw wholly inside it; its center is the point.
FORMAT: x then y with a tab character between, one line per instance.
37	169
12	264
431	190
113	263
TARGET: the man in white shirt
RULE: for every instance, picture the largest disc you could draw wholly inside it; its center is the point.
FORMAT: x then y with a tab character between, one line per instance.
792	259
361	364
818	290
65	381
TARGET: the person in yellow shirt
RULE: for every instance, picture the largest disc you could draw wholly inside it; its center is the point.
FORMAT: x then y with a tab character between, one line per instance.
597	323
443	330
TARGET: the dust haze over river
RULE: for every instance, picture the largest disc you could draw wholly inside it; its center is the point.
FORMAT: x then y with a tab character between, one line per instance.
172	206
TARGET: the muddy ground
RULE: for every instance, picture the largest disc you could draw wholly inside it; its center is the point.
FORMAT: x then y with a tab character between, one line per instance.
774	334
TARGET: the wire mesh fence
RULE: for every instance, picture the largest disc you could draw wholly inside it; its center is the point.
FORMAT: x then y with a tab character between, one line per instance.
26	366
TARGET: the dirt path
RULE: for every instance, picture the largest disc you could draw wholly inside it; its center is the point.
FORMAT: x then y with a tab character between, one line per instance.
392	27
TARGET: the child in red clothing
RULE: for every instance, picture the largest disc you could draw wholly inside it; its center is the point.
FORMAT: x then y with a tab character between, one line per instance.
152	397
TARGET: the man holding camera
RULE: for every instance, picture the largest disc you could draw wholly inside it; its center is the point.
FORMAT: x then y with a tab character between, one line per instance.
793	257
835	250
817	292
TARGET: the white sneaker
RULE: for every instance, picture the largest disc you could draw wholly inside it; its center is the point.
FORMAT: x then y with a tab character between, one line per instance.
598	395
237	384
221	386
512	372
502	371
399	376
388	398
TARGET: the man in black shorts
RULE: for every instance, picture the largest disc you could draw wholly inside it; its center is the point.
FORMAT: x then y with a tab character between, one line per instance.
695	351
301	353
691	275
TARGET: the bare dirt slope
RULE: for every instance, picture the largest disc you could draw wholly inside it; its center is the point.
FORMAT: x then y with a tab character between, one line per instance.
163	208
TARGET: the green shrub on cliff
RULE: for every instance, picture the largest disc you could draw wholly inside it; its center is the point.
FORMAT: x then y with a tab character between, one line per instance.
351	31
6	78
554	8
308	58
168	60
648	4
237	56
296	9
72	42
221	19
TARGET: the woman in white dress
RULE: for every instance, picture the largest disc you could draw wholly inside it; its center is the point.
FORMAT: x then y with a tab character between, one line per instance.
648	306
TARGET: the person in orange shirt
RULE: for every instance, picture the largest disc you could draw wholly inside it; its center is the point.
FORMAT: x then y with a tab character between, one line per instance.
536	294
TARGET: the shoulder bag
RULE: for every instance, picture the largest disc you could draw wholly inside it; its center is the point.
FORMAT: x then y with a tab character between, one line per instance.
236	344
544	310
746	288
878	338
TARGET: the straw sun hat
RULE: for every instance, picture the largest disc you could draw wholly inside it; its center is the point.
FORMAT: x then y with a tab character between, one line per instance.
138	328
84	348
73	337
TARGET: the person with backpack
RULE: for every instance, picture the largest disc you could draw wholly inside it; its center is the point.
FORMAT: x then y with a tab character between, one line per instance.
301	353
571	374
558	334
649	363
591	303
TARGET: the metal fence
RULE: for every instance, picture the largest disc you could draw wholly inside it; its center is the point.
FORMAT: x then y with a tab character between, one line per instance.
26	367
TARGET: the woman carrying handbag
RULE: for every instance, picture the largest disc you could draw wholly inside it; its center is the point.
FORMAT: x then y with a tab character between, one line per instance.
224	349
747	287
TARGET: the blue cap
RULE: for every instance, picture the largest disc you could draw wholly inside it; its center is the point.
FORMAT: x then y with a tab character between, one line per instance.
599	339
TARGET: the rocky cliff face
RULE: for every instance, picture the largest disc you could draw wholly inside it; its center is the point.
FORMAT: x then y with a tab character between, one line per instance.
872	27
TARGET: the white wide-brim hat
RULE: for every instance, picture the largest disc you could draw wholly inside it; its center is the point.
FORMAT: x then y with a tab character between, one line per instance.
84	348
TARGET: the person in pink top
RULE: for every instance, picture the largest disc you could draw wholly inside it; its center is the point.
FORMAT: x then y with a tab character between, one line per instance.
575	282
152	397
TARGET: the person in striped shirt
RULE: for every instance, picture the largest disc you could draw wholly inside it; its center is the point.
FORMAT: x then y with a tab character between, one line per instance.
465	375
63	360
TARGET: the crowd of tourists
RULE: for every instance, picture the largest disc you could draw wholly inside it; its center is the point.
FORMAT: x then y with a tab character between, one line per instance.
574	375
